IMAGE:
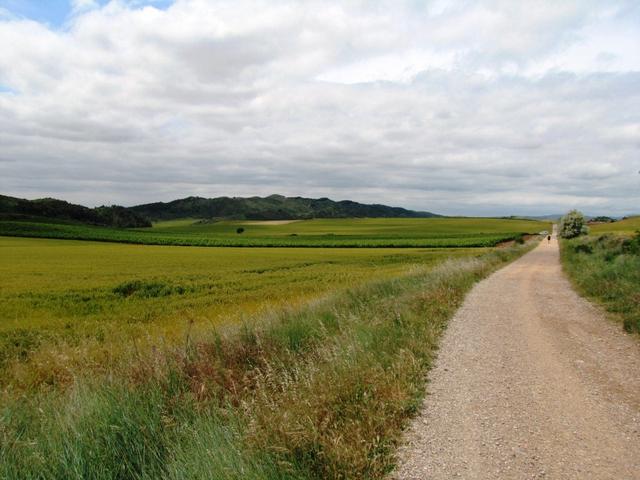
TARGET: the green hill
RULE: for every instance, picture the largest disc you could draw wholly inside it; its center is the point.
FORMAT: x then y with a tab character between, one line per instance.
12	208
274	207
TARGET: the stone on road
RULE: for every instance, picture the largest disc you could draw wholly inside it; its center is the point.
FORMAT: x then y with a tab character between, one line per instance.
531	381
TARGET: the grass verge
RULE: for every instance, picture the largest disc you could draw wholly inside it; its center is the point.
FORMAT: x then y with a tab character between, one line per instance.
322	392
606	268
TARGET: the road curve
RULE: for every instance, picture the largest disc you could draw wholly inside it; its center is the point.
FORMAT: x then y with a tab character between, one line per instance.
531	381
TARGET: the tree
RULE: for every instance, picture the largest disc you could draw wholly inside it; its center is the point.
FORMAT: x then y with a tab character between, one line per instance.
239	230
573	225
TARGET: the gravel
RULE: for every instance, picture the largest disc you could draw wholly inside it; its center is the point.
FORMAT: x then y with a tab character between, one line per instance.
532	381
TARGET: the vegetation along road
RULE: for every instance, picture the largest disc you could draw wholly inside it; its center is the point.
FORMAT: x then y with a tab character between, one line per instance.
531	382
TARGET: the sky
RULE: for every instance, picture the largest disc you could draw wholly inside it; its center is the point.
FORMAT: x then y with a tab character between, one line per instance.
455	107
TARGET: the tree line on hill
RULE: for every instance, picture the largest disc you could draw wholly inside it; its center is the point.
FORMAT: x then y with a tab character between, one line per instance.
274	207
52	209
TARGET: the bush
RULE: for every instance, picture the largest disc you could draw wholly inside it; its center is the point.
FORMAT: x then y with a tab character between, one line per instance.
583	248
602	219
573	225
239	230
631	246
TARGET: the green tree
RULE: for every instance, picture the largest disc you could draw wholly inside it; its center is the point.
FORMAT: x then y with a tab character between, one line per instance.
573	225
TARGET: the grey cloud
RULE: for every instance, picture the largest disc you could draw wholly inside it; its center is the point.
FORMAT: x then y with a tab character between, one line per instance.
130	105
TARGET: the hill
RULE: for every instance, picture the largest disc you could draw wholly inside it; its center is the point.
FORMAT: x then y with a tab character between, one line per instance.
273	207
12	208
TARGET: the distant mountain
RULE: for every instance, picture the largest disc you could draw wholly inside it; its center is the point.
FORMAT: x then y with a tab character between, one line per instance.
12	208
274	207
589	218
544	217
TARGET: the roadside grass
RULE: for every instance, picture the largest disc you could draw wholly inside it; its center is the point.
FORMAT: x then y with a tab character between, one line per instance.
345	233
307	393
606	268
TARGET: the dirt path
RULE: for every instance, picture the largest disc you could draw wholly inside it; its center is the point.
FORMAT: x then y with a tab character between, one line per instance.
531	382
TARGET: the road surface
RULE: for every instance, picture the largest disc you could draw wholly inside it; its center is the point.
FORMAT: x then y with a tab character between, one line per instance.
531	381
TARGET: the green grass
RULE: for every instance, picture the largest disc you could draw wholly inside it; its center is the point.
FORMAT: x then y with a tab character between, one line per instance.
606	268
333	233
319	391
627	226
362	227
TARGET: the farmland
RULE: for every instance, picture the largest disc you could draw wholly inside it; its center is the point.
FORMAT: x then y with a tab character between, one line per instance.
627	226
102	294
327	233
128	360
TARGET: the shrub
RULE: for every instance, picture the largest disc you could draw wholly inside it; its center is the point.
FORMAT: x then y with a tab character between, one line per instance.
602	219
632	245
239	230
573	225
583	248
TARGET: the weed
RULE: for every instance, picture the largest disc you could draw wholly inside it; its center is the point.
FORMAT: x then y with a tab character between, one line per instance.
152	289
606	268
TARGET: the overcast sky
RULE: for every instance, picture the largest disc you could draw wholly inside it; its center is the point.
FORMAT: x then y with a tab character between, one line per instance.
487	108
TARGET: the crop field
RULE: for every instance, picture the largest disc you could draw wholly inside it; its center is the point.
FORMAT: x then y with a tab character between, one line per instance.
328	233
138	361
87	297
333	233
628	226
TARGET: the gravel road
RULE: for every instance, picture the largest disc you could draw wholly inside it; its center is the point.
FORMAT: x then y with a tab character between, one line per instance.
531	381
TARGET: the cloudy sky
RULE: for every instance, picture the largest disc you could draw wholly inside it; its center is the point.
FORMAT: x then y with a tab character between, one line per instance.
457	107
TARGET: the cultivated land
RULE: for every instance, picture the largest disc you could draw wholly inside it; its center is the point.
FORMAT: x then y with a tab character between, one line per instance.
328	233
130	361
88	298
531	382
628	226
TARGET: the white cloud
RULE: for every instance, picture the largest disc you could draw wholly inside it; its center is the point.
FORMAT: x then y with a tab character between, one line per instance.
490	107
78	6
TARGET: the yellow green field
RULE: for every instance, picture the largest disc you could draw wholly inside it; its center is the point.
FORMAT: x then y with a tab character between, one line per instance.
627	226
84	300
356	227
318	233
54	282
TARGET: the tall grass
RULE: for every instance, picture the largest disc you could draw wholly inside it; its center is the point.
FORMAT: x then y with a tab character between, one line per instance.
606	268
321	392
